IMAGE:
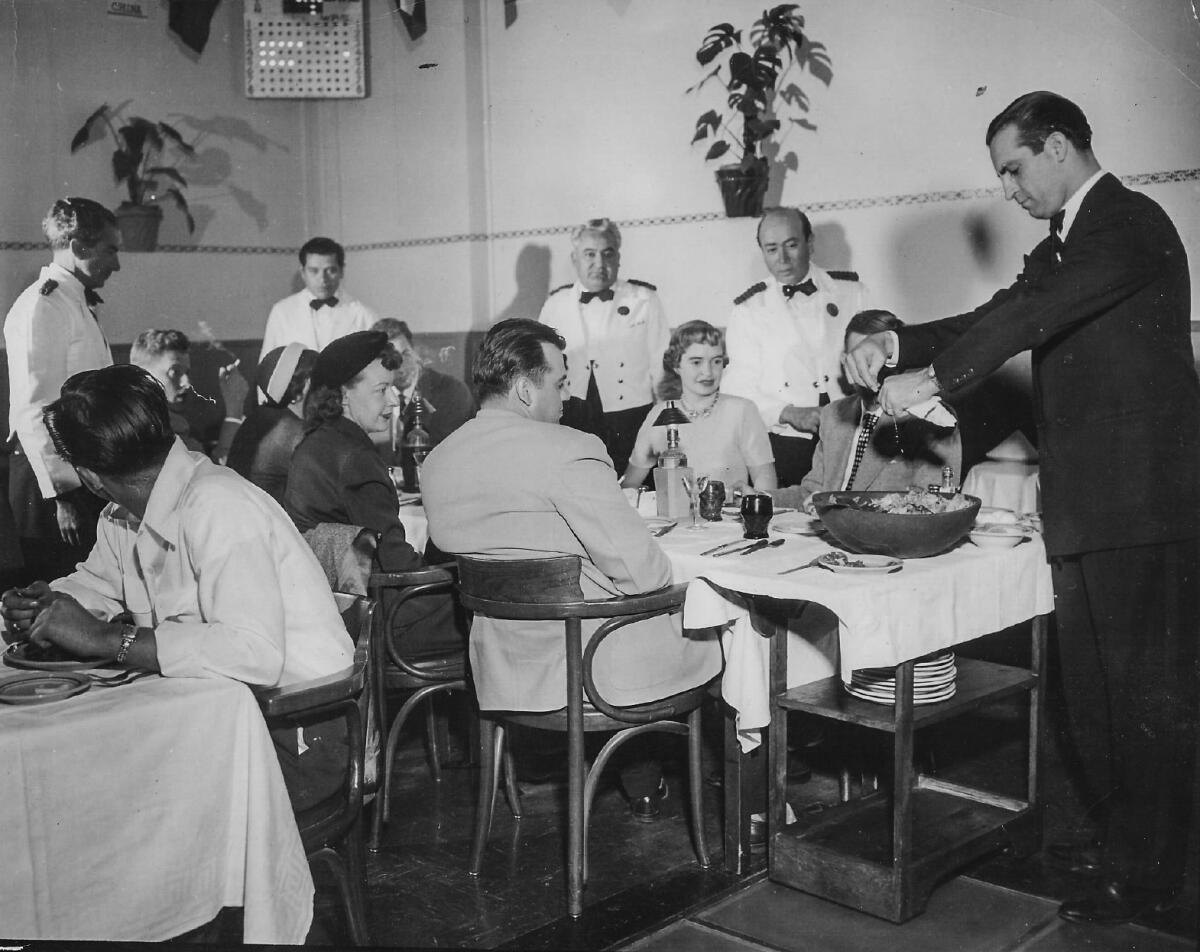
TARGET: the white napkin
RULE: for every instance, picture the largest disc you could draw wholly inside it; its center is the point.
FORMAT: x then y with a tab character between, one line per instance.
935	412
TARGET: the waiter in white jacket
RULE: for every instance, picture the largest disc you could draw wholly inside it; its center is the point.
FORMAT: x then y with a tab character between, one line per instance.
616	332
52	332
784	339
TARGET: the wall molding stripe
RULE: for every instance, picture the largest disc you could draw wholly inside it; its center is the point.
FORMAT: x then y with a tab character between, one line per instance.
813	208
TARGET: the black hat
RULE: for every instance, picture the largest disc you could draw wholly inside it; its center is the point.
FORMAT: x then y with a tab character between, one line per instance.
344	358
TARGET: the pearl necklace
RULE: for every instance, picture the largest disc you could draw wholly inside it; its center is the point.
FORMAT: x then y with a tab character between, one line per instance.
699	414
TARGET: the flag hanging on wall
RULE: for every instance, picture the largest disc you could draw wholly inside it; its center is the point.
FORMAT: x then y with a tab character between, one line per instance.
412	12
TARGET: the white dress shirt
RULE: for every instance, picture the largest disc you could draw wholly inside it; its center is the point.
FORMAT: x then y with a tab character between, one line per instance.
49	336
223	576
787	352
292	319
622	340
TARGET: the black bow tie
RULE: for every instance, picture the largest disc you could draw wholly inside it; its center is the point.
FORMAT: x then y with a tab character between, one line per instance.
1056	223
91	297
317	303
806	286
605	295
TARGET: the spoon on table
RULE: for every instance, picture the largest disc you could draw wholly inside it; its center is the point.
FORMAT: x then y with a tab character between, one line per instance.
763	545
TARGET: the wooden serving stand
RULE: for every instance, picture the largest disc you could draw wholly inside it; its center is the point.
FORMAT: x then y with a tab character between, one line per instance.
884	854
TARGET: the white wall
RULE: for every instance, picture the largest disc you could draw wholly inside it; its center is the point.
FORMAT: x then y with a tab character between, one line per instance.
576	109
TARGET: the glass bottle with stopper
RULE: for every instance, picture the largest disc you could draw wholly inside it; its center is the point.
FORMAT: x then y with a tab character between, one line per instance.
672	475
415	446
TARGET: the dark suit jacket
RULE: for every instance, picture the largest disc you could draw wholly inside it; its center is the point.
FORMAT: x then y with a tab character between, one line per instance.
450	399
915	459
1116	397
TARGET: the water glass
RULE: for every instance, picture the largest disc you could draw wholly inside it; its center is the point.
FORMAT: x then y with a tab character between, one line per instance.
712	499
757	509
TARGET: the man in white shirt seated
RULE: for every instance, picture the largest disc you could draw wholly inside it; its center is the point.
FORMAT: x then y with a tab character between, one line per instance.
324	310
195	572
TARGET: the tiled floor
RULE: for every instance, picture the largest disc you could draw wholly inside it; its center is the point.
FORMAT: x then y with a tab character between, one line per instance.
646	889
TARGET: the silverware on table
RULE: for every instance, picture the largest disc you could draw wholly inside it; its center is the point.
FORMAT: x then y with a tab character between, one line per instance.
664	530
732	551
764	544
724	545
806	565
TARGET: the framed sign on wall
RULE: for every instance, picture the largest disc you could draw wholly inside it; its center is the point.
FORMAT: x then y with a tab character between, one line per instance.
305	49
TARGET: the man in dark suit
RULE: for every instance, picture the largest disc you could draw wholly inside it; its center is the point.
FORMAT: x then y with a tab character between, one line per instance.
1104	304
447	402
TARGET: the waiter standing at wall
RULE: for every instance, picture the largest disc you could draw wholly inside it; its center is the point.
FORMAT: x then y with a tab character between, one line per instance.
616	333
51	333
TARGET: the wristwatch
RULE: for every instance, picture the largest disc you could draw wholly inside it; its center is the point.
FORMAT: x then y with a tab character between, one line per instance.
128	636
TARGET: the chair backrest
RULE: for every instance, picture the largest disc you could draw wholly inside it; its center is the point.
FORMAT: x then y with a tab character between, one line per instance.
544	581
548	589
392	591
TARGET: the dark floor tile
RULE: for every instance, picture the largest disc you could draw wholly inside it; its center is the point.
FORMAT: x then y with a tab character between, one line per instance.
989	917
1067	937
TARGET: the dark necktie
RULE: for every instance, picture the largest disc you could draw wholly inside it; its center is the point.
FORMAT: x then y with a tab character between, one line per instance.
806	287
1056	243
605	295
91	297
860	450
317	303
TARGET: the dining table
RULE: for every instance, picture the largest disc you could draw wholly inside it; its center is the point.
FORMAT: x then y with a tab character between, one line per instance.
136	811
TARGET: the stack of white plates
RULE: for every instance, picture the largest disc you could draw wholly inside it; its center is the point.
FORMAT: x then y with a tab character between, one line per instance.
933	681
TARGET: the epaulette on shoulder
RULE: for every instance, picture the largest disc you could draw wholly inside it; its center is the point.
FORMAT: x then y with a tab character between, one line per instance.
47	287
843	275
750	292
561	287
643	284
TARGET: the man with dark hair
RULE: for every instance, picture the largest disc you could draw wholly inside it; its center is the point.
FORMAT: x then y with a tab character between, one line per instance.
616	332
447	403
784	339
52	332
513	484
1104	304
324	310
195	572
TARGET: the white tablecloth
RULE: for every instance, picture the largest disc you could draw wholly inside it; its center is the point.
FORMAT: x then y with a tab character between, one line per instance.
1005	484
137	812
416	526
883	620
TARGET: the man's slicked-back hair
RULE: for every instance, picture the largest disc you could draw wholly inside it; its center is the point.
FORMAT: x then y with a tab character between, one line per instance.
151	343
322	246
597	226
1036	115
394	327
76	218
113	421
783	211
512	349
872	321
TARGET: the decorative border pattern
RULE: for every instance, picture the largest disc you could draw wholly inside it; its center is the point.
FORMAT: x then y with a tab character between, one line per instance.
835	205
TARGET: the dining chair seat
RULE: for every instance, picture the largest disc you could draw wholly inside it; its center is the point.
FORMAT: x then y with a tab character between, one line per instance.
549	589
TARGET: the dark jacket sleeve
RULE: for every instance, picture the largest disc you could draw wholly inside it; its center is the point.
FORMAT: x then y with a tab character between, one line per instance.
370	501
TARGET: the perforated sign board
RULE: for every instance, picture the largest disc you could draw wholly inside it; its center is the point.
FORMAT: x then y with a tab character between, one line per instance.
314	53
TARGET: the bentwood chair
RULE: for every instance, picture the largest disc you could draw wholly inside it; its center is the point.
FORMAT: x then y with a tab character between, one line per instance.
331	830
549	589
421	677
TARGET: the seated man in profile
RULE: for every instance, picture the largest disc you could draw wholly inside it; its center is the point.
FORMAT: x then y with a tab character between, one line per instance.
195	572
860	447
513	484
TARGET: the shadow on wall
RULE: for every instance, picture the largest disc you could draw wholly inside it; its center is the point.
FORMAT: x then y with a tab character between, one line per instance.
831	250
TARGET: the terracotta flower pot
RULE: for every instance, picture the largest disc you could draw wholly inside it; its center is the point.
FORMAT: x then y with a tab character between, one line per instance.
139	226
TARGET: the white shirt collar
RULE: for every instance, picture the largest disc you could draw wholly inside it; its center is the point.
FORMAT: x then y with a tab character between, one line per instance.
1071	208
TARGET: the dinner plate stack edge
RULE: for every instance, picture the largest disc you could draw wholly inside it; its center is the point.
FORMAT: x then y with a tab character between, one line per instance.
933	681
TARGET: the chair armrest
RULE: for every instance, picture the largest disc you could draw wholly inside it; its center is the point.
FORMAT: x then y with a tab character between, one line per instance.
308	696
430	575
656	602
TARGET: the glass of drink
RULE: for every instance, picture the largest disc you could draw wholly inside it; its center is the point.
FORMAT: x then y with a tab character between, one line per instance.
757	509
695	487
712	499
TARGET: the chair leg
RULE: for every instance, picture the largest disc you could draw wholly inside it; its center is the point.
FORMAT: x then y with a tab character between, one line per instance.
431	734
356	919
488	744
576	827
511	791
696	788
383	798
357	863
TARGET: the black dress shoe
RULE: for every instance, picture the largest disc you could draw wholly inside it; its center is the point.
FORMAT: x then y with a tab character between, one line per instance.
1113	903
1085	858
758	834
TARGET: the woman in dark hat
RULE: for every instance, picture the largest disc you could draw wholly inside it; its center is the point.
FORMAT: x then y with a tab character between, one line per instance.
337	475
262	449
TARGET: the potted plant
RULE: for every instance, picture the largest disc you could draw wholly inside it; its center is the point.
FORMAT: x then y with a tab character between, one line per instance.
140	162
756	96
